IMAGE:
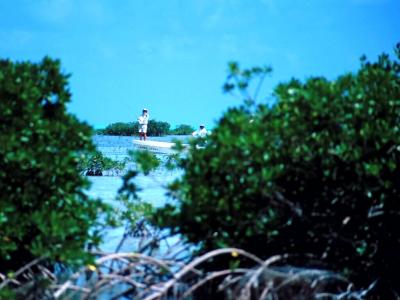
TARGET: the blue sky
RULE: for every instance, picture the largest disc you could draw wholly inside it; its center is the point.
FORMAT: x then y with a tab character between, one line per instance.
171	55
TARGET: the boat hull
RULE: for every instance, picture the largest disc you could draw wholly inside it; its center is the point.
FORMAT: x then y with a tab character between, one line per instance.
154	146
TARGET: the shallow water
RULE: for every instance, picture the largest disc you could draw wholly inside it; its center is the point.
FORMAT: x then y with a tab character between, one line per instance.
116	147
152	187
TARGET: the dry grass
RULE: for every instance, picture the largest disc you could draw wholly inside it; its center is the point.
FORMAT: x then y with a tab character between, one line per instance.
152	274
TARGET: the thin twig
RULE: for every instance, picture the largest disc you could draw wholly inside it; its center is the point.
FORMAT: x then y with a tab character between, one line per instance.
210	277
198	261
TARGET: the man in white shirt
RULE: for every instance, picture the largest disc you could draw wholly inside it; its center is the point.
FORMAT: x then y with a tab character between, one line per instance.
201	132
143	121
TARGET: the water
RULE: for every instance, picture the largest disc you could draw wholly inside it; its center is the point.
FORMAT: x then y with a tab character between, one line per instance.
116	147
152	190
152	187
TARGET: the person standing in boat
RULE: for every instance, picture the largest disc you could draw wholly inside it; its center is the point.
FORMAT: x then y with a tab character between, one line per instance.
201	132
143	121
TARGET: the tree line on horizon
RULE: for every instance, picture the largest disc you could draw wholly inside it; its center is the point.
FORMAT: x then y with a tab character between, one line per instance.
155	128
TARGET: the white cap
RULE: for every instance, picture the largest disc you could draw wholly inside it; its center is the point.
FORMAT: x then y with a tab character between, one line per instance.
145	109
202	125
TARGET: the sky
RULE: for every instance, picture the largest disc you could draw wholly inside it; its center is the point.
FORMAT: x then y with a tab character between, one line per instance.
171	56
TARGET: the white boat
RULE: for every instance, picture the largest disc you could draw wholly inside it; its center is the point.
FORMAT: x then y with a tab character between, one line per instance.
155	146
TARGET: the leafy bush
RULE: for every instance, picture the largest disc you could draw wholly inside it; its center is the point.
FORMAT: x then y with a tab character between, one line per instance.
317	173
182	129
43	208
95	163
120	128
155	128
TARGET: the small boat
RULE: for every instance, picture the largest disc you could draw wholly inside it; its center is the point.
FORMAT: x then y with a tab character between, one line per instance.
155	146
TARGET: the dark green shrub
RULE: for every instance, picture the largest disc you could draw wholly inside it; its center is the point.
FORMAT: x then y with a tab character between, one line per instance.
155	128
43	208
95	163
182	129
317	173
120	128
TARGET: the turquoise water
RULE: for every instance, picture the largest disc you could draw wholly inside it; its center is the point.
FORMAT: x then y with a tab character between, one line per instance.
152	187
116	147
